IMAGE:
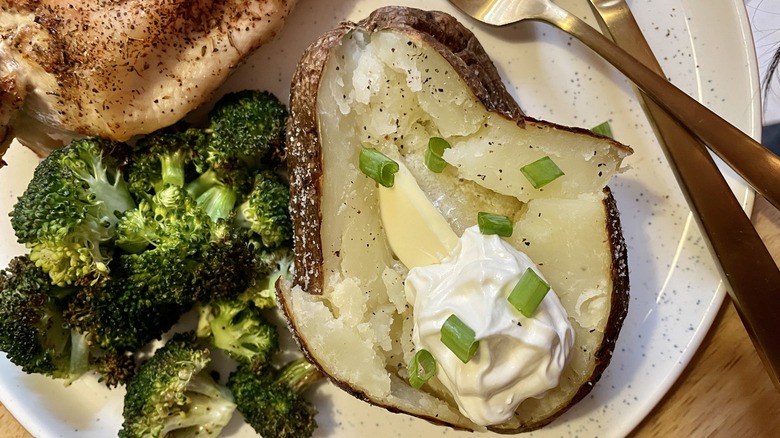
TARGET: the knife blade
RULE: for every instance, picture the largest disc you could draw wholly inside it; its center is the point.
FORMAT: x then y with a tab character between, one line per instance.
750	275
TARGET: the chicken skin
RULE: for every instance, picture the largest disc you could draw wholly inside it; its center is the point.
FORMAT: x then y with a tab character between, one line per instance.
118	68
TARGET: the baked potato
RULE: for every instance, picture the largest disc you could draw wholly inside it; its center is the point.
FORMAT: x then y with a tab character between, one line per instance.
390	82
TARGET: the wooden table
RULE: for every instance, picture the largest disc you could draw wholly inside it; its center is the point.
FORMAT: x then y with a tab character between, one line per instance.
723	392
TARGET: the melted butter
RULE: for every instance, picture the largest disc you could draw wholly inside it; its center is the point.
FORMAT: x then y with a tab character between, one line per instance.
416	232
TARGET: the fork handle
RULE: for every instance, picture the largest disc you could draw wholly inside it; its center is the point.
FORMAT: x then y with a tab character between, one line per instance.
753	162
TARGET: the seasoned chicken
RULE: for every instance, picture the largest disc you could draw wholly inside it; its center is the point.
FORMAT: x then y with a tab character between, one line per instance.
117	68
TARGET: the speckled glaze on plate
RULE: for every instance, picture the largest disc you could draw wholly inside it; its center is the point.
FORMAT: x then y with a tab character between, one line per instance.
705	48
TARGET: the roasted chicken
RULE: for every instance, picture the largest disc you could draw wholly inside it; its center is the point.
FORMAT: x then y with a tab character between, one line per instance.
117	68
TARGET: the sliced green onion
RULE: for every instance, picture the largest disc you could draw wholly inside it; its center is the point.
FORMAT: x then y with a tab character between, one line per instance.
434	153
459	338
528	293
491	223
421	368
378	166
604	129
541	172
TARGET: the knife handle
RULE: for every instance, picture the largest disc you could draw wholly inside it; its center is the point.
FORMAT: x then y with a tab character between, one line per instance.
752	276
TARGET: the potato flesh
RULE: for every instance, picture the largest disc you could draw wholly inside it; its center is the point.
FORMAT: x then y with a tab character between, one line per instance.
567	239
493	157
396	95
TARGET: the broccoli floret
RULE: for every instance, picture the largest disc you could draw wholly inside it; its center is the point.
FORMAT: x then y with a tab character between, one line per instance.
166	156
266	210
35	335
32	330
169	218
69	211
199	258
176	257
223	266
245	133
238	328
144	297
270	265
246	130
272	400
172	394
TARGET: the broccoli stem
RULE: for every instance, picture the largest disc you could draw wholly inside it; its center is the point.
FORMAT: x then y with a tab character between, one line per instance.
203	384
298	375
217	202
202	183
208	406
172	169
79	354
212	195
204	413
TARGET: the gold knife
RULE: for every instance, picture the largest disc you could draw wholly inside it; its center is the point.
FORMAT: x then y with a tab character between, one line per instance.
750	274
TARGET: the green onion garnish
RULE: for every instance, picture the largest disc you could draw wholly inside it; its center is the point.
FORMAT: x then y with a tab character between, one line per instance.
433	155
378	166
541	172
459	338
421	368
528	293
604	129
491	223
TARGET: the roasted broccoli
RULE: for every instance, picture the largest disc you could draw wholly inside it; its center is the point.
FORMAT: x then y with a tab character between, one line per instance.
165	157
225	266
266	209
245	133
67	215
265	212
119	315
170	218
172	394
151	283
213	257
113	368
271	400
246	129
34	333
239	329
270	264
125	238
189	259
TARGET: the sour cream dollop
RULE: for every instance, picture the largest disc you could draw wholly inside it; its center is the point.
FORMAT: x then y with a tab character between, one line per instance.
518	357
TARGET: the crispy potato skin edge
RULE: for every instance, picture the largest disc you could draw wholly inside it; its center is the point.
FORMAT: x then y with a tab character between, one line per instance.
467	56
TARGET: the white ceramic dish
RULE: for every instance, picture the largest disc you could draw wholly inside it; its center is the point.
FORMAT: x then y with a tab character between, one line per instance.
706	49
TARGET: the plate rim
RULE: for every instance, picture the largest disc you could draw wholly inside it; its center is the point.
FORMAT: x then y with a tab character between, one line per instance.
28	420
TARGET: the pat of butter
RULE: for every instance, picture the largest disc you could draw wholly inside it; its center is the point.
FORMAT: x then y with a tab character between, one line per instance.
417	233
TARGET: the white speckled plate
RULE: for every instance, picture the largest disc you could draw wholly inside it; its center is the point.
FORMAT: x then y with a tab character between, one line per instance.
705	47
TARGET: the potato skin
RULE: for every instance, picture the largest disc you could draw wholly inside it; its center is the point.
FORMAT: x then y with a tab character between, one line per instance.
467	56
